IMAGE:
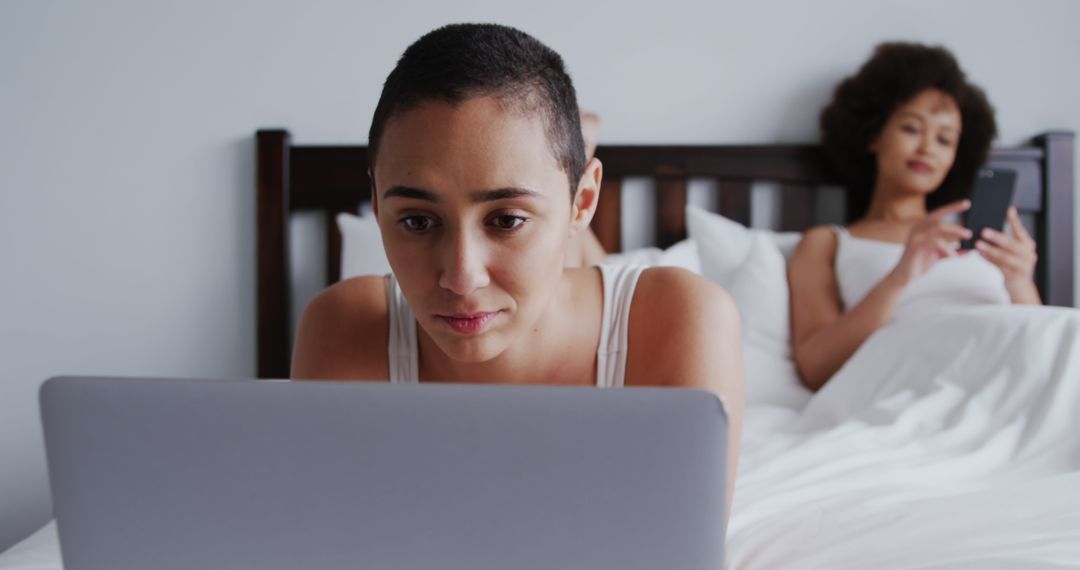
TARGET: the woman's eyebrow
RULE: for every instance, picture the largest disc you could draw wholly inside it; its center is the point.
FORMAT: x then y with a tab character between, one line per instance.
947	127
913	115
947	124
414	193
504	194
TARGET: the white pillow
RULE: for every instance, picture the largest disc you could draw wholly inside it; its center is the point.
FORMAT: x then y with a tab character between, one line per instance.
643	256
760	289
722	244
361	247
683	254
752	266
786	242
729	242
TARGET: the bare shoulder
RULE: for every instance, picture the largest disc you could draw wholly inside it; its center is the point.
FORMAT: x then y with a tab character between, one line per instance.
816	243
675	291
682	326
811	264
343	332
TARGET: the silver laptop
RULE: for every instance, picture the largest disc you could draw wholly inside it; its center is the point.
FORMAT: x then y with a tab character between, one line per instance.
182	474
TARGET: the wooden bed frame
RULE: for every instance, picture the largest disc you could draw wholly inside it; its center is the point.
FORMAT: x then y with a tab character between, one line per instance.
334	179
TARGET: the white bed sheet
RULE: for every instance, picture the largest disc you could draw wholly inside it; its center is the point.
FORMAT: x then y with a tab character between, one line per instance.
951	442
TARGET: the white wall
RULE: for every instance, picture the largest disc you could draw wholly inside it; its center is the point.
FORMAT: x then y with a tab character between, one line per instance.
126	184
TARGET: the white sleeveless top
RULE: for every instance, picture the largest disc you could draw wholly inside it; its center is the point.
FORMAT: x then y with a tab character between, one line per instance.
619	282
965	280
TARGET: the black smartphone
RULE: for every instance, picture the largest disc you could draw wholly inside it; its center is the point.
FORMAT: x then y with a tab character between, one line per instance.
990	200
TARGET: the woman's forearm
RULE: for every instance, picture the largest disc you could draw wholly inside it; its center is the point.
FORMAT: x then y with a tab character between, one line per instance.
820	355
1025	293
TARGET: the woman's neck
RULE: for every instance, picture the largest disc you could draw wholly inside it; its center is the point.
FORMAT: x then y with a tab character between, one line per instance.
892	204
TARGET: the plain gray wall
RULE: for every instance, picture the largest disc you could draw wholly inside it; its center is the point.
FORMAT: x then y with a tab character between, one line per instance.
126	183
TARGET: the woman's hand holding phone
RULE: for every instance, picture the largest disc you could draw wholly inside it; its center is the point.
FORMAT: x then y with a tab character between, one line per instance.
1015	255
930	241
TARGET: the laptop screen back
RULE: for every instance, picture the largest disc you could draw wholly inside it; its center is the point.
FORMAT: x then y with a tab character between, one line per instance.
181	474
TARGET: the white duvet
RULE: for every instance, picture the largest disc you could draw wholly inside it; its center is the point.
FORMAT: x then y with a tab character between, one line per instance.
951	442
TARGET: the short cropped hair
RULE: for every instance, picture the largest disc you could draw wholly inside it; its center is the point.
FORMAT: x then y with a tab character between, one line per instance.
461	61
862	104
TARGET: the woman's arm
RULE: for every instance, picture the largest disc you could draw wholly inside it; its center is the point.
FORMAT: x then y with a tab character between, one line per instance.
343	333
685	332
824	336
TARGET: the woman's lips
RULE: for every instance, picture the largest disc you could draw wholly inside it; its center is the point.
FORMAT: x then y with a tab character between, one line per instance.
919	166
471	323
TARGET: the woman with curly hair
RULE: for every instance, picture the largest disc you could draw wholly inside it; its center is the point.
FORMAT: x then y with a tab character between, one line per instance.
908	134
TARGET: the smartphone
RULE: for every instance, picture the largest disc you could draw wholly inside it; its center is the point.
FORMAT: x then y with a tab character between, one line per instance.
990	200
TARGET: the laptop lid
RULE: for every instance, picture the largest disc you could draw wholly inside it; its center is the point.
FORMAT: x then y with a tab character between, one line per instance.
181	474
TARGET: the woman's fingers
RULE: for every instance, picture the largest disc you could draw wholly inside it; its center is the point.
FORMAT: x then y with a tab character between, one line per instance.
1017	226
1014	263
1008	262
994	254
1005	241
944	248
955	232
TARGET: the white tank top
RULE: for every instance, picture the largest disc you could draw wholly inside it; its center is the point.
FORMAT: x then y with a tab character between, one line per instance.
965	280
619	282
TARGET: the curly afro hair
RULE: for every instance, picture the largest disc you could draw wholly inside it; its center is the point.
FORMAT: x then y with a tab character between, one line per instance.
862	104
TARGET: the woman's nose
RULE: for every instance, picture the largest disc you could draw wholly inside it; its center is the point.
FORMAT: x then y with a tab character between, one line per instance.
924	143
464	268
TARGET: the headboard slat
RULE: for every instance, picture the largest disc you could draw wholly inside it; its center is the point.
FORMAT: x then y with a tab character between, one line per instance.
798	204
796	164
272	293
607	222
1056	254
333	245
735	201
324	177
671	193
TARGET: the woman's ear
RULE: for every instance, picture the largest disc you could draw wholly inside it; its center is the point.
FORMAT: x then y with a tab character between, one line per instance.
587	195
872	148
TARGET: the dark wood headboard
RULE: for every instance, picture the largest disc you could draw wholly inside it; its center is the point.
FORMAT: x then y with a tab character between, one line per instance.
334	179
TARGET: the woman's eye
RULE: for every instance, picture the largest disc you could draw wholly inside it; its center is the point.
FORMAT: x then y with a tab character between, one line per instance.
417	224
945	142
910	129
507	222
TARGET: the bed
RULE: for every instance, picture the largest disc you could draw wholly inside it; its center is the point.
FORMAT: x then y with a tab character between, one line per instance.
333	179
965	457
